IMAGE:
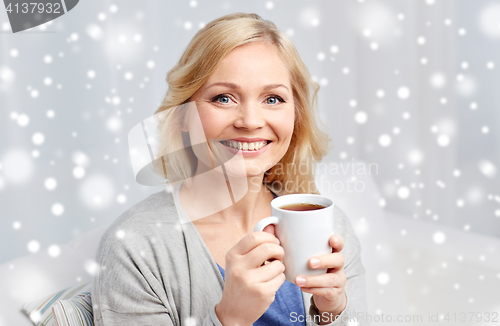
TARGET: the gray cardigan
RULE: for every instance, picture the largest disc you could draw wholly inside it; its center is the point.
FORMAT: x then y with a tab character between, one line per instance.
154	270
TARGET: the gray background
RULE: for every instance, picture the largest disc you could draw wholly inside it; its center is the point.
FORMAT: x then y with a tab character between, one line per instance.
46	69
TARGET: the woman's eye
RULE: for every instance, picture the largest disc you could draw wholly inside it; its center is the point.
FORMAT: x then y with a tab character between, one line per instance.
274	100
223	99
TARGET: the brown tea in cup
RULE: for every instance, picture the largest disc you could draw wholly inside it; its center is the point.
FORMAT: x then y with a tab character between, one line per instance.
302	207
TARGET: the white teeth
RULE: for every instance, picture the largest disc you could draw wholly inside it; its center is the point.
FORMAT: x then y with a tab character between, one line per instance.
255	146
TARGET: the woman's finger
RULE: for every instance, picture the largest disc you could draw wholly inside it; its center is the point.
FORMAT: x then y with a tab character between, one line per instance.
252	240
266	272
275	282
326	280
328	293
264	251
270	229
334	260
336	242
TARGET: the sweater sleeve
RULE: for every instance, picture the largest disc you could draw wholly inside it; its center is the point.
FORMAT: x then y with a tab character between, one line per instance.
109	317
355	287
128	290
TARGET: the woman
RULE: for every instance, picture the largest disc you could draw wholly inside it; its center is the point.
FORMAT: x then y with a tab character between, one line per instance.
239	105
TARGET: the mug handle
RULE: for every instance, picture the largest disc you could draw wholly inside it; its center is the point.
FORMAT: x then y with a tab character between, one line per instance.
265	222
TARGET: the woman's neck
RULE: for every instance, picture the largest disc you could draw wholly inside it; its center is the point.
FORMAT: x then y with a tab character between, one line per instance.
240	202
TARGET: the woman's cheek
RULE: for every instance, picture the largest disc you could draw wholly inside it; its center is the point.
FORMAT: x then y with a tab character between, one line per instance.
286	125
211	124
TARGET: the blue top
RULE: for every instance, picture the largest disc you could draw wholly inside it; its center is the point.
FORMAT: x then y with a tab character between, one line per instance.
288	299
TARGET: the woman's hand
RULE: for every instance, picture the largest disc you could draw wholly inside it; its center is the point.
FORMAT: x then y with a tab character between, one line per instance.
327	289
250	285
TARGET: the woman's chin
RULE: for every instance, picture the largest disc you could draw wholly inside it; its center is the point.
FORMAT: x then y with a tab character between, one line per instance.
244	173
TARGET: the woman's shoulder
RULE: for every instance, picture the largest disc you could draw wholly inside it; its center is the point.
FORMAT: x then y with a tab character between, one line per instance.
341	219
343	225
156	208
352	245
154	216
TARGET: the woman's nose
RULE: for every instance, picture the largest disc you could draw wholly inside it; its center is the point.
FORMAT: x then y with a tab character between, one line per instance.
250	117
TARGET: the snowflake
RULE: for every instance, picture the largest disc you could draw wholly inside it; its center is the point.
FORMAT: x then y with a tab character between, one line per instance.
403	92
439	237
487	168
57	209
403	192
38	138
54	251
94	31
121	198
16	225
438	80
489	18
33	246
361	117
383	278
384	140
50	183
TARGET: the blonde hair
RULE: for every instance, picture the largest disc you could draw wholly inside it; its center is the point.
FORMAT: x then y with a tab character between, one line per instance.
201	58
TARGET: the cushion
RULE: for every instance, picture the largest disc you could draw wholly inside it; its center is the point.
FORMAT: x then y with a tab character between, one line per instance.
37	275
40	311
75	311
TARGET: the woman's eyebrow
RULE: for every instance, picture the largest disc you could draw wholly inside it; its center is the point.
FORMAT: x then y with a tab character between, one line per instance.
234	86
229	85
272	86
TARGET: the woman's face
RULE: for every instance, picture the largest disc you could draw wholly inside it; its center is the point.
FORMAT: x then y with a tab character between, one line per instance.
247	106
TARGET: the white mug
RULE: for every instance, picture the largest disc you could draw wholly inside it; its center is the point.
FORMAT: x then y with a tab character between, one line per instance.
303	234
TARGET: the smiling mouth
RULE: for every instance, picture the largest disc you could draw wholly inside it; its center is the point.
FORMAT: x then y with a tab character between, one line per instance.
246	146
